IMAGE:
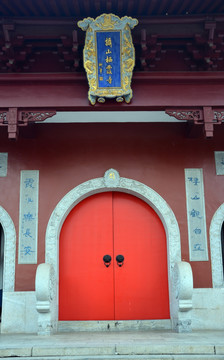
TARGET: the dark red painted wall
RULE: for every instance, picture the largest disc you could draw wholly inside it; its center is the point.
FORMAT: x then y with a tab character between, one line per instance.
67	155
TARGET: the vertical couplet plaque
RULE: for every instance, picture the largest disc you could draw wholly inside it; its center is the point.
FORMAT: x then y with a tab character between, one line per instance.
219	162
28	220
197	234
3	164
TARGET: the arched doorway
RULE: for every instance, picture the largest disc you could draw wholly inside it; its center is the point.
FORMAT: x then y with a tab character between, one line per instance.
133	288
118	184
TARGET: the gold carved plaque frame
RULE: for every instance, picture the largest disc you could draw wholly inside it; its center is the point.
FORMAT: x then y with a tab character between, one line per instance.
109	24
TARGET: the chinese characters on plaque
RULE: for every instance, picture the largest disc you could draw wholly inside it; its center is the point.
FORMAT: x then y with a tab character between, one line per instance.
197	234
109	57
28	221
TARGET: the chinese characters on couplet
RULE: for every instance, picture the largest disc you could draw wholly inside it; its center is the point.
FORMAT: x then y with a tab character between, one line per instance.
27	250
29	184
197	233
194	180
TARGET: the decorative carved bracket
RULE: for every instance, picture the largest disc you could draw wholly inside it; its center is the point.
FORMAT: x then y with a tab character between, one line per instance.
206	116
14	118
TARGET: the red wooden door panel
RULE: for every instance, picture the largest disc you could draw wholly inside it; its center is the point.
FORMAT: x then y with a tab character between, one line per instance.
141	284
113	223
86	287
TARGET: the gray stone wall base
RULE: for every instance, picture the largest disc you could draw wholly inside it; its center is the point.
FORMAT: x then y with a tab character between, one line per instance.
19	313
207	313
208	309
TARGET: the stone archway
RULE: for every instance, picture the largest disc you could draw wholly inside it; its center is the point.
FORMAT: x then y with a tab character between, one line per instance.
9	250
113	182
9	261
216	250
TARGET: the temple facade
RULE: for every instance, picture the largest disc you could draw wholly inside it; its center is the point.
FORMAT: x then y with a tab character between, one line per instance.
112	213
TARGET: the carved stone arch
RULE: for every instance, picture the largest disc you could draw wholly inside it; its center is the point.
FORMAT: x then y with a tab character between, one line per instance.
115	183
9	250
216	248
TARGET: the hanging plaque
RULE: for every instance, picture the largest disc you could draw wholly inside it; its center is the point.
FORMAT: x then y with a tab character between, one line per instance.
109	57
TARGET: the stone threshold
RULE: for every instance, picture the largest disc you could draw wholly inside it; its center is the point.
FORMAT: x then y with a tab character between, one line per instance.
124	325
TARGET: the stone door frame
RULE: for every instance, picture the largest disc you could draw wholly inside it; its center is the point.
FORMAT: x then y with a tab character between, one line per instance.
216	249
9	234
9	251
113	182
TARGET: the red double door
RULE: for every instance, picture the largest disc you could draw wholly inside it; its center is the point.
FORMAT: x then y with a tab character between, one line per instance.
113	223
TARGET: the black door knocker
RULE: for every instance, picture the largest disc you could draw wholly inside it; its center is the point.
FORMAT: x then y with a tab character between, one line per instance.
107	260
120	260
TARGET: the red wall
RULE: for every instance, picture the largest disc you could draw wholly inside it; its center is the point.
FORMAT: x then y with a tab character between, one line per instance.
67	155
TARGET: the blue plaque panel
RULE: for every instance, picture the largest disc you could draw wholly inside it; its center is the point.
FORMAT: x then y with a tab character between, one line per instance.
108	59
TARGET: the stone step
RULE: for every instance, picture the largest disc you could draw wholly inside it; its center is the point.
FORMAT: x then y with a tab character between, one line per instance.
136	345
116	352
122	357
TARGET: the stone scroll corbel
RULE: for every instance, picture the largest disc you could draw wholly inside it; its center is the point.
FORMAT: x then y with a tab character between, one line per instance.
46	304
183	292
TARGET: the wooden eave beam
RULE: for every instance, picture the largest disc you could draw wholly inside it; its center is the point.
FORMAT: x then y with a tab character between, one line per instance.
201	93
207	116
188	19
193	77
